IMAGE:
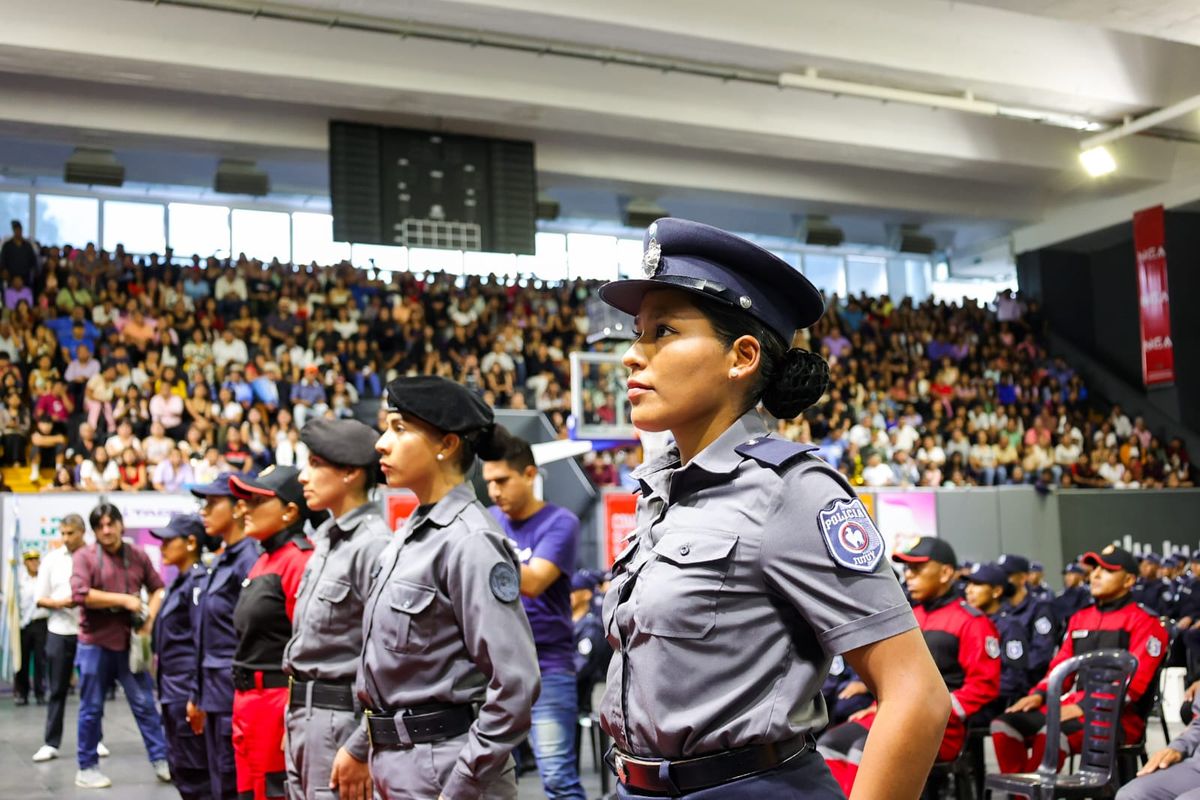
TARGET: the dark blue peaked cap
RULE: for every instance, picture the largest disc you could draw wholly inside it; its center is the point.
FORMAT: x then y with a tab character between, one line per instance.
681	254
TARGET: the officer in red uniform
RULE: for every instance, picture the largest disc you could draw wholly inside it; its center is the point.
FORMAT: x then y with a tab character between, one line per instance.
1114	622
275	512
964	644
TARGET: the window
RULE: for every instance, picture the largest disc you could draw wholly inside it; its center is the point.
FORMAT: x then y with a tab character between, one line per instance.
629	258
312	240
426	260
138	226
826	273
380	257
67	220
866	274
13	206
502	265
262	234
199	230
591	256
549	262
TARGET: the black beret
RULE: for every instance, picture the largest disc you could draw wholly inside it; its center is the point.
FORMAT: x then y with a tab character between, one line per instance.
444	404
681	254
344	442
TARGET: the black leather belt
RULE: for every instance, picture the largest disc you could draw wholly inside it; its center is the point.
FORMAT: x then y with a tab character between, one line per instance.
420	725
702	772
245	680
324	694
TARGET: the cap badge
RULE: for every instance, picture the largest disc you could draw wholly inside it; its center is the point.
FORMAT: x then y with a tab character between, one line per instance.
652	258
745	301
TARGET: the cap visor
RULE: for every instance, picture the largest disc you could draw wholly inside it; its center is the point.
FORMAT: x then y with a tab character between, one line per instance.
909	558
205	490
1096	561
626	295
243	489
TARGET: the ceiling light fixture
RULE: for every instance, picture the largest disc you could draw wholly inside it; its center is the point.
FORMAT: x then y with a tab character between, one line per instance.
1097	161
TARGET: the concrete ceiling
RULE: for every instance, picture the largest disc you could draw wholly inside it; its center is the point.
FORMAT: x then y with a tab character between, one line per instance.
173	88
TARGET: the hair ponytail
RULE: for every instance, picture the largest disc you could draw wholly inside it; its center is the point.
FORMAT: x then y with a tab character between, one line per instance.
798	381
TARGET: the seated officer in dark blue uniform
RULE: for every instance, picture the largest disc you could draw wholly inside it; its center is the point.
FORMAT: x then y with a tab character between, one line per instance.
844	692
1036	582
1075	594
1149	591
1037	616
592	650
987	588
175	646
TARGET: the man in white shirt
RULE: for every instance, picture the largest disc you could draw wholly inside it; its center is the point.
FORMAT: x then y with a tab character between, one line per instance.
33	635
54	596
228	350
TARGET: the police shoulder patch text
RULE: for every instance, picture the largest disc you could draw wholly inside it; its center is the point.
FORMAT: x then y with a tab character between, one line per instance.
1014	649
850	536
992	646
505	582
1042	625
1154	647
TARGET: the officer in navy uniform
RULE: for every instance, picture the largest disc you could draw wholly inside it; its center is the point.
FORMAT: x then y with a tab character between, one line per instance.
1075	594
1037	583
210	709
323	716
1149	591
753	563
592	651
988	587
174	642
449	672
1037	616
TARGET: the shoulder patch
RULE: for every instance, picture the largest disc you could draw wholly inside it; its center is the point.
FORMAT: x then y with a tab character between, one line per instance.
1043	626
505	582
992	646
1014	649
585	646
837	666
772	452
850	536
1154	647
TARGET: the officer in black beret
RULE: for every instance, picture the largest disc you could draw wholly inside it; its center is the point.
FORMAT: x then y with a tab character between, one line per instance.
741	531
448	660
326	740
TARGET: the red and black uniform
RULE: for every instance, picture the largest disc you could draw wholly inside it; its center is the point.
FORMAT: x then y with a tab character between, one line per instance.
263	619
1020	737
966	648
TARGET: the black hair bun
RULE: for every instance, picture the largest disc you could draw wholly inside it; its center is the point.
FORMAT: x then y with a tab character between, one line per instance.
491	442
798	382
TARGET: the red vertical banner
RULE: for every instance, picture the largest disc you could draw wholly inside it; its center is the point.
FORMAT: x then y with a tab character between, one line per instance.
1149	243
620	520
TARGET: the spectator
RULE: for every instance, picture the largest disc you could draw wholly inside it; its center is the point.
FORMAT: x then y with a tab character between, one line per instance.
56	406
45	441
172	474
308	396
15	429
18	258
17	292
166	409
98	396
157	446
133	410
228	350
131	474
100	473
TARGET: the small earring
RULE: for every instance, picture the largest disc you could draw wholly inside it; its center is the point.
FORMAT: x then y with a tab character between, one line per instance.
441	456
345	480
733	373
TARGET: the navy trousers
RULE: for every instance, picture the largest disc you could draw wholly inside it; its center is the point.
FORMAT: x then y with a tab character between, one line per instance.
186	754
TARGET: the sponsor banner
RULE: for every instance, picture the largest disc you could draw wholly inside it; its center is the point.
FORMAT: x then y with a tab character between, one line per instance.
620	521
904	515
1154	302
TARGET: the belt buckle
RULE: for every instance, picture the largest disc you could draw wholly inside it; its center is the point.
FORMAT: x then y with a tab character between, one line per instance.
370	739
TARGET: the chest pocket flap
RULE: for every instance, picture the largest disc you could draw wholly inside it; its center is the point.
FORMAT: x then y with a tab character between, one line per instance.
678	589
408	630
332	591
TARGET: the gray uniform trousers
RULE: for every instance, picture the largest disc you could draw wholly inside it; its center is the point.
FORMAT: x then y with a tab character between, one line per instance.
420	773
1180	782
313	738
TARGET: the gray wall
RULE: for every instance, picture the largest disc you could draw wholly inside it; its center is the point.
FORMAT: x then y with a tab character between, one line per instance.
1151	518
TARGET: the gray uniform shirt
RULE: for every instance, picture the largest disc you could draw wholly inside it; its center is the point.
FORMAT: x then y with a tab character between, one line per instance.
1188	742
749	570
327	625
444	624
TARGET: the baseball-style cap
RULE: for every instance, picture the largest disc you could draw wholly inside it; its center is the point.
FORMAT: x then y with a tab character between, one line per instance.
1074	569
344	442
927	548
990	574
181	526
585	579
31	552
1113	558
1153	558
281	482
445	404
1037	566
218	488
1013	563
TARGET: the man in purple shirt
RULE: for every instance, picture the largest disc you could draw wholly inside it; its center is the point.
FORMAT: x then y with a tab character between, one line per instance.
546	538
106	582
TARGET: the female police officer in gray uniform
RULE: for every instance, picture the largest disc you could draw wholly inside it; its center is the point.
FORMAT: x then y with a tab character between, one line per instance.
753	564
448	672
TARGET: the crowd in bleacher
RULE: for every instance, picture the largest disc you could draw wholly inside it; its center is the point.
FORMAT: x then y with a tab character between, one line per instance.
124	373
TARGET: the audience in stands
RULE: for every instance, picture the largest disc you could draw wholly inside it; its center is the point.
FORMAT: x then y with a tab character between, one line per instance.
216	365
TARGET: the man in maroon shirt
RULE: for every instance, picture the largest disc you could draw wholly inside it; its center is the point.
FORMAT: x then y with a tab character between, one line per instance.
106	582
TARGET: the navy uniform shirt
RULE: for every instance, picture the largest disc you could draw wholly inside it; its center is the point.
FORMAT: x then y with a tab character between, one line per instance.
1187	602
1070	601
175	636
592	655
1042	628
1153	595
1015	674
749	570
216	638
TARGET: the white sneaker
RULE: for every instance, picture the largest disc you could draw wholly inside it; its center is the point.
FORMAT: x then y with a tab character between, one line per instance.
45	753
162	770
92	779
101	750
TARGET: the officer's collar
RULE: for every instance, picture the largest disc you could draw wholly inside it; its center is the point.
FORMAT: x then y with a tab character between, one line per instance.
274	543
449	507
1116	605
718	458
347	523
940	602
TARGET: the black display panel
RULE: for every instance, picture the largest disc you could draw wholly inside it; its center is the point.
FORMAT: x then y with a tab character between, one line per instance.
395	186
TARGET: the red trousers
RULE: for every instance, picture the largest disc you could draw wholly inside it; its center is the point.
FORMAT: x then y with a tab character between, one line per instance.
258	725
1020	740
842	747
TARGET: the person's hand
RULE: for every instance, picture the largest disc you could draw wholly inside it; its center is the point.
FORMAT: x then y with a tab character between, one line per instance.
1189	693
195	718
133	604
1184	623
1164	758
146	629
350	778
1028	703
857	715
1070	712
853	689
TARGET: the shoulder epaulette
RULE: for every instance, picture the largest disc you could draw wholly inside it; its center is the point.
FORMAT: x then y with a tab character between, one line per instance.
773	452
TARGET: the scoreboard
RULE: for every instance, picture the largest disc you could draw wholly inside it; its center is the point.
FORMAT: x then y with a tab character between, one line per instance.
396	186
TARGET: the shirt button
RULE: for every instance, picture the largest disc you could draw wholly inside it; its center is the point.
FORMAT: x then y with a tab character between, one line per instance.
684	549
406	604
